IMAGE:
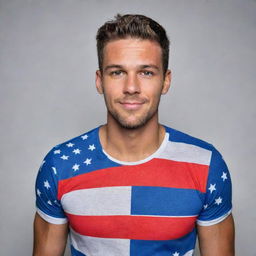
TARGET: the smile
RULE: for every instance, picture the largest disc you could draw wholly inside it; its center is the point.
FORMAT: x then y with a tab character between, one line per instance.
132	105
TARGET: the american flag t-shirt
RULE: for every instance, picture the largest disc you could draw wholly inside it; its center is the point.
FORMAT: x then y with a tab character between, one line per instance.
145	208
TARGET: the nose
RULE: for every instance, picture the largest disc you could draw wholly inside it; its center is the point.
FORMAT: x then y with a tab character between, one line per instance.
131	85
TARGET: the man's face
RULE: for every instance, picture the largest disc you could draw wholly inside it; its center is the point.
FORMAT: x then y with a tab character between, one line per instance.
132	81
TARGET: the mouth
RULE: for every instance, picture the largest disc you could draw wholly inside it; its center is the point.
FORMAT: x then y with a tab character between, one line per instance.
132	105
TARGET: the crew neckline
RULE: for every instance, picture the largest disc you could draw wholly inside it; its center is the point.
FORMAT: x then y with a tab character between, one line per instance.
150	157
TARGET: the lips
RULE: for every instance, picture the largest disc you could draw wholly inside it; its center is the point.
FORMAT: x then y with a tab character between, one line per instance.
132	105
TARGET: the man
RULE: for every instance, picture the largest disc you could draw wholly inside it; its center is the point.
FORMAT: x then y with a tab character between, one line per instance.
133	186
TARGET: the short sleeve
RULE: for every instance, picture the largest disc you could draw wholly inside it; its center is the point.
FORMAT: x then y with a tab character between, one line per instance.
218	197
46	188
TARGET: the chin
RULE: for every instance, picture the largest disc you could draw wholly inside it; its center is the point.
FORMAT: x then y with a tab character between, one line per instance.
132	124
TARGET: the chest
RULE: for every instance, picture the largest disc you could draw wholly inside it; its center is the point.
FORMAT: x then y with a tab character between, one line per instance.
133	203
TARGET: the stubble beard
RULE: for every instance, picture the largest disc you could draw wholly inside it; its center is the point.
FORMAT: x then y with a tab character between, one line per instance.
140	122
132	125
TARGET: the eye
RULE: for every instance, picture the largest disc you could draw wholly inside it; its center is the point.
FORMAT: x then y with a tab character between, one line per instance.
147	73
116	73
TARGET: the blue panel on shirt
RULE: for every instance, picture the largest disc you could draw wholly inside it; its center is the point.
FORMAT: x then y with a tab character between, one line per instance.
165	201
163	248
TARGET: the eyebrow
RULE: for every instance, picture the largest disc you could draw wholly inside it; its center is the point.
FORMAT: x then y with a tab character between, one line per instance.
140	66
112	66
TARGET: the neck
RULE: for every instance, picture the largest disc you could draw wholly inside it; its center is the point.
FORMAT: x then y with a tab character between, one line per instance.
131	145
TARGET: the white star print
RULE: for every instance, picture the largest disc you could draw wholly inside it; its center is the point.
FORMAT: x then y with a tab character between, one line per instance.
64	157
212	187
38	192
46	184
75	167
84	137
54	170
49	202
224	176
91	147
205	206
88	161
76	151
70	145
57	151
176	254
218	201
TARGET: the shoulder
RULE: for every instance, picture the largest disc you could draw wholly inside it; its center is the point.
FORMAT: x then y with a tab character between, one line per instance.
75	147
80	140
189	144
182	137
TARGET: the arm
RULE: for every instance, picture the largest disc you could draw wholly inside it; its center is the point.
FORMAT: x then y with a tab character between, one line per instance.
217	239
49	239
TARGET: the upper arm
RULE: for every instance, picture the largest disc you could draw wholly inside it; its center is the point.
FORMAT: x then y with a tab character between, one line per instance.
215	222
49	239
50	224
217	239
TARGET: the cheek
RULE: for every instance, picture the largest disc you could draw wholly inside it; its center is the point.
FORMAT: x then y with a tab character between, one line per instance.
112	88
111	95
111	92
154	93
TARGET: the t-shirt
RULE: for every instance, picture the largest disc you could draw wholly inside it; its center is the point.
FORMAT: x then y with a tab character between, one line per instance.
144	208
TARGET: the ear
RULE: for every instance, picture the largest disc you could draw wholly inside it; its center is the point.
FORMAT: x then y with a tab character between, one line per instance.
167	81
98	82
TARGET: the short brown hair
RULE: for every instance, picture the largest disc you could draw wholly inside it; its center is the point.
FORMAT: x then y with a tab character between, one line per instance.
135	26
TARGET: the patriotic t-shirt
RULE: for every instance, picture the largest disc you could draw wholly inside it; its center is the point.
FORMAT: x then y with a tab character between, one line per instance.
145	208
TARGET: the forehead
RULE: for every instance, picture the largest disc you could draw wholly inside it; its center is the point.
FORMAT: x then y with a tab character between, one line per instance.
132	50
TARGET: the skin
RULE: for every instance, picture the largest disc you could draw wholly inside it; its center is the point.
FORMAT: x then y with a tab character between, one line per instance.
132	81
217	239
49	239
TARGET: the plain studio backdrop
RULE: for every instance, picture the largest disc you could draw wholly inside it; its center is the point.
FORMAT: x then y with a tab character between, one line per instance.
47	93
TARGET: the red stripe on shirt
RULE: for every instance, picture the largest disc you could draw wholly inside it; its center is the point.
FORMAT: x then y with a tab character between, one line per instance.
132	227
157	172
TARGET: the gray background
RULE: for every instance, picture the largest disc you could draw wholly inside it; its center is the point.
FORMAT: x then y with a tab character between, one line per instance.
47	93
